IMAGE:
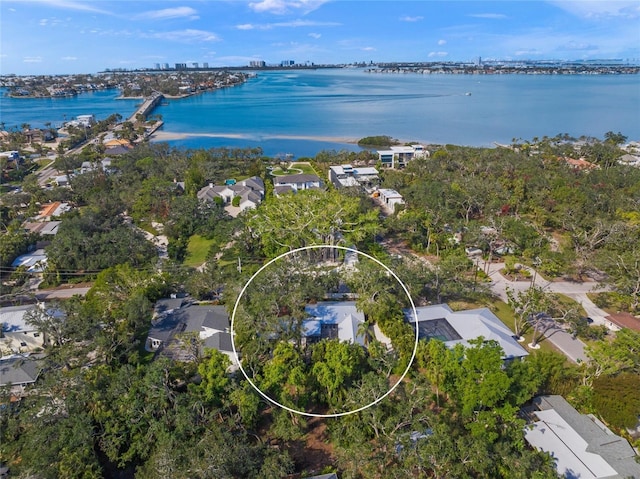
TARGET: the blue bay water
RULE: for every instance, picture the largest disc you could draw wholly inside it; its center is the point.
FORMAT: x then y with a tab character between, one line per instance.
303	112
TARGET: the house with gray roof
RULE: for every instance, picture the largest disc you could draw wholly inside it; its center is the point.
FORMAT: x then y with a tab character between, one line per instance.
18	372
581	445
251	192
209	323
298	182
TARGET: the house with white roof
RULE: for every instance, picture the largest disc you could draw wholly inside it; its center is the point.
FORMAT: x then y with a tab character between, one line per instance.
34	262
390	198
344	176
16	335
581	445
459	327
333	320
399	156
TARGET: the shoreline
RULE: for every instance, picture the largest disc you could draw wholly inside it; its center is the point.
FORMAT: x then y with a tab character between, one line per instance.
173	136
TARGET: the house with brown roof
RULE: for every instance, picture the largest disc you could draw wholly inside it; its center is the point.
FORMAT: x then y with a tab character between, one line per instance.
579	164
625	320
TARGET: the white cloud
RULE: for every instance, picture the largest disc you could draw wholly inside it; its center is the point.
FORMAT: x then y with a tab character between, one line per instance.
407	18
12	9
32	59
51	22
601	9
493	16
528	52
3	55
71	5
442	42
292	24
315	35
169	13
280	7
437	54
69	59
187	36
368	49
578	46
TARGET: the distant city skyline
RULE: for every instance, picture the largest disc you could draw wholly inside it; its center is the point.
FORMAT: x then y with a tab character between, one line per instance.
82	36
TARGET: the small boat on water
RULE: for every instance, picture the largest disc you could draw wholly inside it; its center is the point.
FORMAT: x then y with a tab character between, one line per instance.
468	93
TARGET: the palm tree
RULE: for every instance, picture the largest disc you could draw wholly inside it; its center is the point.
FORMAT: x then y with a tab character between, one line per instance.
365	330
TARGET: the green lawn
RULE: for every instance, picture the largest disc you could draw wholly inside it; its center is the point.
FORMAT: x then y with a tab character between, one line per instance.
197	250
295	169
504	313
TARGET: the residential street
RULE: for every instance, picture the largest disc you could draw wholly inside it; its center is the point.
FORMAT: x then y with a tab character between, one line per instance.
573	348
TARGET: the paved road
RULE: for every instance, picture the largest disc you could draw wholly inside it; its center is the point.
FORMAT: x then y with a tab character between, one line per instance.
60	293
573	348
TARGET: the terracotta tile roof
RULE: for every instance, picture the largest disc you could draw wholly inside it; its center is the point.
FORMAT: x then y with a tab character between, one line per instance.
625	320
48	209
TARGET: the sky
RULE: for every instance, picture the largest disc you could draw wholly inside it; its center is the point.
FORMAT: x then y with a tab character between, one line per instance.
87	36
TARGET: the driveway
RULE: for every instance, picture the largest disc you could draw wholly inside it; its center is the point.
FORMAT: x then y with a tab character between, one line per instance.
572	347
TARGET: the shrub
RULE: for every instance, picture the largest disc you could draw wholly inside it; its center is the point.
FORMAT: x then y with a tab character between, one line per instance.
616	399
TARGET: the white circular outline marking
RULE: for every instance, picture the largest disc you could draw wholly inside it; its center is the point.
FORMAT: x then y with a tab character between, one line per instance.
304	413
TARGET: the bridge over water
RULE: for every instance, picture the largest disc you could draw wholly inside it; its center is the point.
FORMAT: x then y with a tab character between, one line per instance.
147	106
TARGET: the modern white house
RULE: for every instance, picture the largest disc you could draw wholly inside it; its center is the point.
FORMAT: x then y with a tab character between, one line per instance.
581	445
344	176
399	156
390	198
459	327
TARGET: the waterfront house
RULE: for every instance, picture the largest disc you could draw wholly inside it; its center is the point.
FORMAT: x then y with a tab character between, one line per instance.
399	156
344	176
